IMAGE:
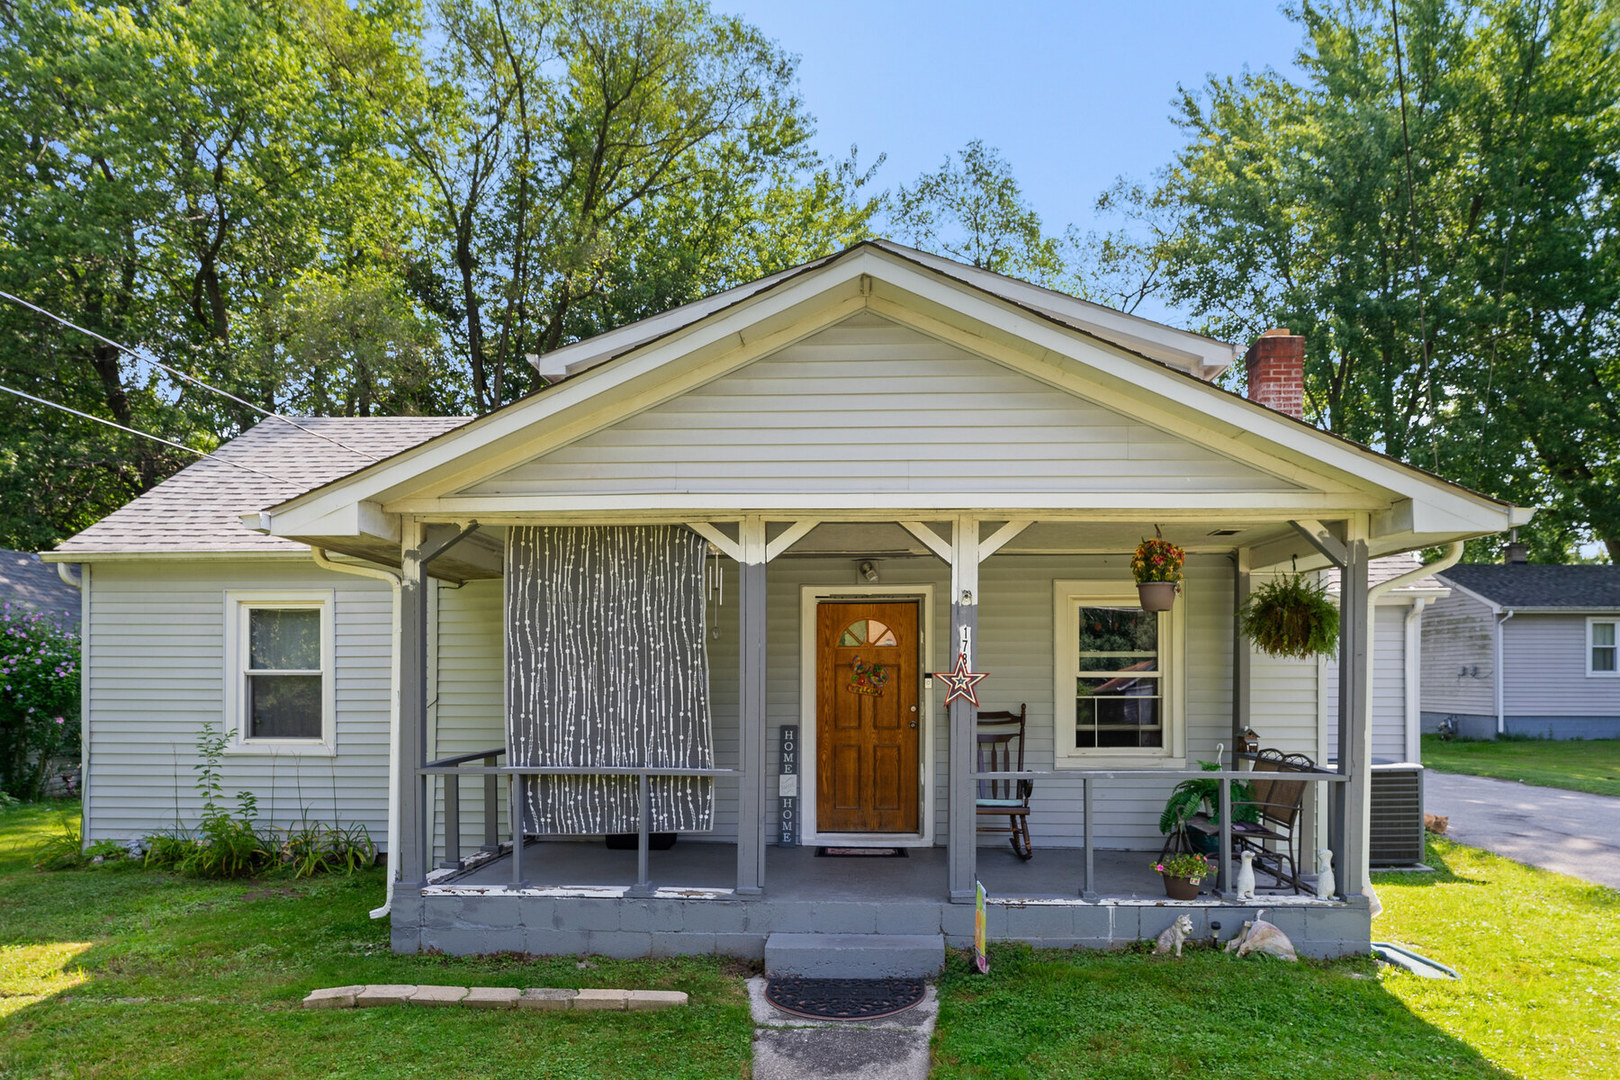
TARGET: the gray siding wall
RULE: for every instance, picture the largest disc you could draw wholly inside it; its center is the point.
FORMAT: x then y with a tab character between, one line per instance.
1457	635
157	675
817	416
1389	687
1544	657
469	712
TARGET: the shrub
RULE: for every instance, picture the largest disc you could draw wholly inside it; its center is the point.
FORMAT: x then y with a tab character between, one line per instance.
39	697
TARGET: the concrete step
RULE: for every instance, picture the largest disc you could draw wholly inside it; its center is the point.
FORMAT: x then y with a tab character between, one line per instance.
854	956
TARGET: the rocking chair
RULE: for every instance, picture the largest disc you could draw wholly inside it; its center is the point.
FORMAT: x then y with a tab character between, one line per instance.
1001	749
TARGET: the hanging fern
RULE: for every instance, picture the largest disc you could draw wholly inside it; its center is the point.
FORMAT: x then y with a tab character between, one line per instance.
1291	616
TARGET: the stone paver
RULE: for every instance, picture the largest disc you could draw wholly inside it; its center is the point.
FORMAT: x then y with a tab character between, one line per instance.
1570	832
611	1000
384	994
642	1000
547	998
438	996
492	997
332	997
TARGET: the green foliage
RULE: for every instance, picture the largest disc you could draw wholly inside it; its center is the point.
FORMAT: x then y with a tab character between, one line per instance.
63	847
1591	765
1291	615
1434	206
1188	798
1195	867
39	697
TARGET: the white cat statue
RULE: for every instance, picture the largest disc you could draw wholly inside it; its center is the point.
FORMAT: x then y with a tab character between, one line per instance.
1326	886
1245	877
1173	936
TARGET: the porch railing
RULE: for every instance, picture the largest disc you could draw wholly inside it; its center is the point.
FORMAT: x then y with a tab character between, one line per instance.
453	769
1224	777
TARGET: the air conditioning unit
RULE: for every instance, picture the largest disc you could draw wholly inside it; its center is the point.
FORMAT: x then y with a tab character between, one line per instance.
1397	815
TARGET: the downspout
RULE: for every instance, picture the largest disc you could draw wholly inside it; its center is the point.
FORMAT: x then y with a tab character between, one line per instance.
1414	707
377	573
1496	673
77	581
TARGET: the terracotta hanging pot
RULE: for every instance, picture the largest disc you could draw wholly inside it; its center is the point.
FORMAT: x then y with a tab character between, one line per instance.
1156	595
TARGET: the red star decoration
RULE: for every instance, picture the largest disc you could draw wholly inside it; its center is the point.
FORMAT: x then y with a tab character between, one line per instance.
960	681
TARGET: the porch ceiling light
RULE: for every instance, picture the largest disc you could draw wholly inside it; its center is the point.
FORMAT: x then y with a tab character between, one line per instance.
868	570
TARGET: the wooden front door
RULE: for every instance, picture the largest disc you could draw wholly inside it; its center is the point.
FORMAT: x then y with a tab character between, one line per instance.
866	717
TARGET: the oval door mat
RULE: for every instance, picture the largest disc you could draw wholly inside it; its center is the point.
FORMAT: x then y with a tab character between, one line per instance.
844	999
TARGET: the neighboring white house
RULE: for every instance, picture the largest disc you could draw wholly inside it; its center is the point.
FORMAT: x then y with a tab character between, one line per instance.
1524	649
758	522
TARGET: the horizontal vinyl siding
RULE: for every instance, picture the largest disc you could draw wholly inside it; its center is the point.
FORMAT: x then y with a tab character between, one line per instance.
869	406
1389	687
469	711
157	671
1544	657
1457	635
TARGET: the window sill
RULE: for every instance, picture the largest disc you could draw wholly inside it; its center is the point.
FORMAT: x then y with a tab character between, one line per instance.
282	748
1121	761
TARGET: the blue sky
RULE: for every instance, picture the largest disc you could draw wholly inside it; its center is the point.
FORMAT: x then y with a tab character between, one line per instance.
1072	94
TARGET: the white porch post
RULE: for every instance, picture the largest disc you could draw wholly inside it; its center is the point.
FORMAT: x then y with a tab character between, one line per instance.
409	862
751	709
964	719
1349	822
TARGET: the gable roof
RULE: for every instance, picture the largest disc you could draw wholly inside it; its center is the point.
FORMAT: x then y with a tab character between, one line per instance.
199	509
1533	586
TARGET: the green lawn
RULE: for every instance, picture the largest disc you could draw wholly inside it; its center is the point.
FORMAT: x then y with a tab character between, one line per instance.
120	972
1540	996
117	971
1591	765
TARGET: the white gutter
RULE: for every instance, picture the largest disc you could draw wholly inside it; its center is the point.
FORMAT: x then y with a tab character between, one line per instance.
377	573
1501	710
77	581
1414	706
65	572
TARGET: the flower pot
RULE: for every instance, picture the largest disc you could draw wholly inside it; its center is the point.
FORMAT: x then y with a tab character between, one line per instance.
1156	595
1180	888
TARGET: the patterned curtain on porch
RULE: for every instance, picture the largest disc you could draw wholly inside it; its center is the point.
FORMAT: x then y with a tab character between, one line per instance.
607	665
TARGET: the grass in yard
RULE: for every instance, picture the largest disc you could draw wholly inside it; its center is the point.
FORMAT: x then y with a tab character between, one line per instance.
1539	998
1590	765
118	971
1538	954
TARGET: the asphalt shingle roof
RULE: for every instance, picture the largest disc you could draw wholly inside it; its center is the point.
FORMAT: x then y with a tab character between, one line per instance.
26	580
198	509
1538	585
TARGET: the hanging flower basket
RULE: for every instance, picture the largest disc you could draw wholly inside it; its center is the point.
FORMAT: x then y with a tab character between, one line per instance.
1157	567
1291	616
1183	874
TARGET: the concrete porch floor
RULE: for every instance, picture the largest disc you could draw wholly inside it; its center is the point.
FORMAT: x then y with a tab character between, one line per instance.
798	874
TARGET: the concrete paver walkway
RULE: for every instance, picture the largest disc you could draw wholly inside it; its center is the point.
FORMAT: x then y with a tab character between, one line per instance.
793	1048
1568	831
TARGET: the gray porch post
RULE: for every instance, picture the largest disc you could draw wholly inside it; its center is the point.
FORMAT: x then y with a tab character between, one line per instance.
751	710
1350	802
1242	656
961	838
410	861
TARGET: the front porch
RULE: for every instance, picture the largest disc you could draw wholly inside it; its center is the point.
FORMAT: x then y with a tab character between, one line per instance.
580	898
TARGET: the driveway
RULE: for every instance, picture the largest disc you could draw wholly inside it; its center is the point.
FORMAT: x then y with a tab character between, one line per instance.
1568	831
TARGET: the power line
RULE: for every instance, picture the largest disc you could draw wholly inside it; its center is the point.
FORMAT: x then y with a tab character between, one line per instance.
154	438
177	373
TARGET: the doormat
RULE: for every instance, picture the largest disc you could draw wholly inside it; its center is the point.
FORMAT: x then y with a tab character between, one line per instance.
844	999
862	852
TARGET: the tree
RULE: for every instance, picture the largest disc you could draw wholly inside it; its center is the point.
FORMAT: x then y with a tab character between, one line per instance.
593	163
1434	207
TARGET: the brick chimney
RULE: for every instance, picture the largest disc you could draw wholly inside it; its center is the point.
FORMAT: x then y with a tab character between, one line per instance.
1276	369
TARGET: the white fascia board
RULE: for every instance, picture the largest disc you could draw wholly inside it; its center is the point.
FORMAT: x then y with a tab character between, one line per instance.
509	436
178	555
1265	432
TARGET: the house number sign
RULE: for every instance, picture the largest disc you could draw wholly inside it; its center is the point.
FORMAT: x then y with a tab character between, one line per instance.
787	792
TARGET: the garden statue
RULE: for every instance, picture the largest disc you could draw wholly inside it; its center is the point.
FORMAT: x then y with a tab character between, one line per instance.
1245	877
1326	886
1267	939
1238	938
1173	936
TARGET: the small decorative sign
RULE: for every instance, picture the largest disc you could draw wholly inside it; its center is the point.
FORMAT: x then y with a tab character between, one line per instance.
868	679
787	817
960	682
980	959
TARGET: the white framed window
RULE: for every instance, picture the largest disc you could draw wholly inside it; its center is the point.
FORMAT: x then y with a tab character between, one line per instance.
1601	644
279	671
1118	689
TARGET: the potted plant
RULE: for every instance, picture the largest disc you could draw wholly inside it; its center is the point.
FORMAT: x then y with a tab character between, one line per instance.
1157	566
1183	874
1197	795
1291	616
